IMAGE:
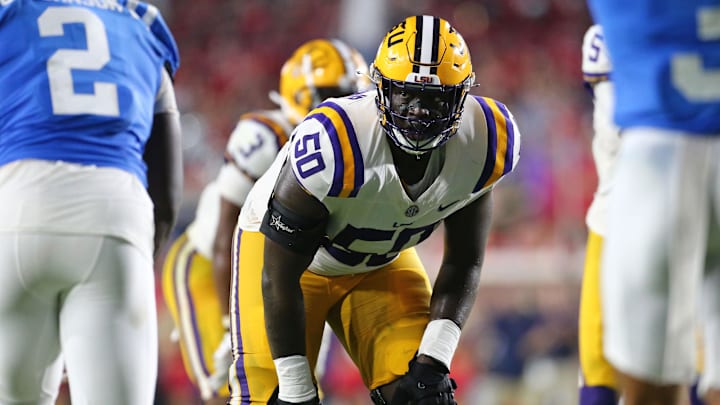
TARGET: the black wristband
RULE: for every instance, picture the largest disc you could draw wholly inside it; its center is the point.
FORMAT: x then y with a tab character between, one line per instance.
292	230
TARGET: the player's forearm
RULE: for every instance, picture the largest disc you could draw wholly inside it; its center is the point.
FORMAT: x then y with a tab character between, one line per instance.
283	299
284	319
454	292
163	156
222	252
222	273
452	300
285	326
458	280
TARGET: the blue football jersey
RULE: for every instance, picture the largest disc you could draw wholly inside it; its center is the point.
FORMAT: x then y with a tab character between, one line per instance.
78	81
666	62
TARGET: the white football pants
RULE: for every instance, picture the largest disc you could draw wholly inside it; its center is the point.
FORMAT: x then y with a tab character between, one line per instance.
666	198
91	298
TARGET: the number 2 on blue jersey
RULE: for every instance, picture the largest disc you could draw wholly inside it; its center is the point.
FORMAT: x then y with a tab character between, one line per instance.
104	100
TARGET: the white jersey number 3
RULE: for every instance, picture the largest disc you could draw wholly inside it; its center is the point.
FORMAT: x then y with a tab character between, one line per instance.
104	100
688	75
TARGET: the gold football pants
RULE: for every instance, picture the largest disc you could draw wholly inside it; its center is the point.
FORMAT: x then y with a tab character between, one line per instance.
189	290
379	317
596	371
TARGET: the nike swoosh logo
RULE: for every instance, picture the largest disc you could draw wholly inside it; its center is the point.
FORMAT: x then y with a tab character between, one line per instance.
399	224
444	207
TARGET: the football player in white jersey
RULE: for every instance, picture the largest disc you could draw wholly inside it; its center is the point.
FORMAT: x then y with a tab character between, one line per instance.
598	381
196	275
90	186
326	235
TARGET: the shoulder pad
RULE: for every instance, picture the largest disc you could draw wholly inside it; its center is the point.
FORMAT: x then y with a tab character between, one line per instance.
596	65
154	20
503	142
280	130
325	154
5	7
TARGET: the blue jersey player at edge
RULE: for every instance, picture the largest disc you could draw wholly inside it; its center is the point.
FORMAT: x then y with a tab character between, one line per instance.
663	211
90	186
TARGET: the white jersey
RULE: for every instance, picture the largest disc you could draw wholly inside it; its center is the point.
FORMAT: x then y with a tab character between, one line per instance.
340	154
597	68
253	144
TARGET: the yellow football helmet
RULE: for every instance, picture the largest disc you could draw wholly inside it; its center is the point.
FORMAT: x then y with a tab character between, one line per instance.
319	69
423	56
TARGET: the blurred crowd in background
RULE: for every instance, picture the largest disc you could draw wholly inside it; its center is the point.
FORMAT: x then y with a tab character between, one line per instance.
520	347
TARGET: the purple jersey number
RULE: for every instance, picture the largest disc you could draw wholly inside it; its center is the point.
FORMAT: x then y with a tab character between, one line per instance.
341	246
308	158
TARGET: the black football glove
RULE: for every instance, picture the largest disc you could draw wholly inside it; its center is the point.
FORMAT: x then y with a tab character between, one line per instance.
423	384
274	400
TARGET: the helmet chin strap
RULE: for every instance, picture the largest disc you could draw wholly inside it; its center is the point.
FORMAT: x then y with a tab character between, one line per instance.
400	141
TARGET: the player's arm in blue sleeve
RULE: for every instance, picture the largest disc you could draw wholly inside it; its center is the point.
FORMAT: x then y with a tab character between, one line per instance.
163	156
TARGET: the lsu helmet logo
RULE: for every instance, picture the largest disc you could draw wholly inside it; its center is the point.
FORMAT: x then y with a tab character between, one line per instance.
423	79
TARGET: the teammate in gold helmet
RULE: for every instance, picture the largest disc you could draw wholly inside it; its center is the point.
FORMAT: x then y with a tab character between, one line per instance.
317	70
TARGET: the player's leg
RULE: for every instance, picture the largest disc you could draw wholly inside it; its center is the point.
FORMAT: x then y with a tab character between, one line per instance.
252	375
322	359
709	385
30	360
653	262
189	291
108	323
598	382
381	322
